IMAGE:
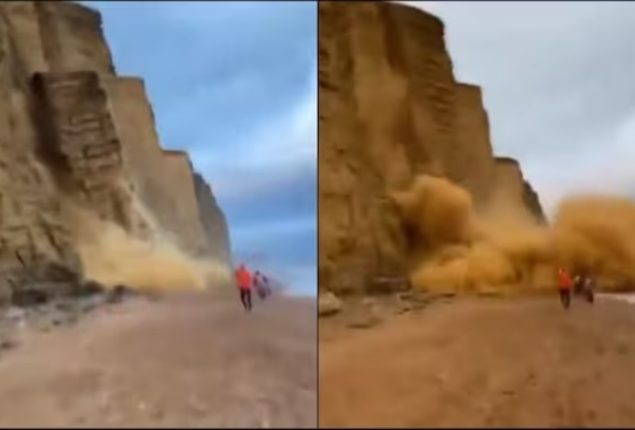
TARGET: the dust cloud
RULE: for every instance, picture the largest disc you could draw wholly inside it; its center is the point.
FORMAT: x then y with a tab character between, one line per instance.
111	256
454	248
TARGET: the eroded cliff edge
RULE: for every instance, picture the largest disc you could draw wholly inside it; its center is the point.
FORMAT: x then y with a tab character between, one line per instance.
390	109
76	134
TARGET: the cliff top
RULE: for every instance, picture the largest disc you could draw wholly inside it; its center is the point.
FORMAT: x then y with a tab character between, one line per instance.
78	10
412	10
507	160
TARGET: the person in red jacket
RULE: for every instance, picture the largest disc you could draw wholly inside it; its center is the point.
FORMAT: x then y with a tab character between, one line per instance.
244	281
565	284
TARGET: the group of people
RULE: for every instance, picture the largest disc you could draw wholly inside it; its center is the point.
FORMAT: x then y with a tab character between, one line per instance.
247	282
582	285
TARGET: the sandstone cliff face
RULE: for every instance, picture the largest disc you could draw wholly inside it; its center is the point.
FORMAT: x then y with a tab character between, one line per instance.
390	108
214	222
72	38
72	131
511	193
472	152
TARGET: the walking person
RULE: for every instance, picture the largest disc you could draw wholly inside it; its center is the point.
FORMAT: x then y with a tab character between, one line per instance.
259	285
565	284
588	288
578	284
244	281
265	285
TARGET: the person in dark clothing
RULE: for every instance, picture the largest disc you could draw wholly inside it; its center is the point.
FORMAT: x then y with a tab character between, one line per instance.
587	287
578	284
259	285
266	286
584	286
565	284
245	298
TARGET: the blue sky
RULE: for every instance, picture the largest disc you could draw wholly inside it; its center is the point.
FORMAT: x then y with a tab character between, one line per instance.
235	85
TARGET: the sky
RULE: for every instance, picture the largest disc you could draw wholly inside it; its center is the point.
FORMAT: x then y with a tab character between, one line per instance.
558	81
235	85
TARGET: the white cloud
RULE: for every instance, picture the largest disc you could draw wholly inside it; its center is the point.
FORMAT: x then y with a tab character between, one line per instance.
278	150
290	139
278	227
296	279
240	182
301	280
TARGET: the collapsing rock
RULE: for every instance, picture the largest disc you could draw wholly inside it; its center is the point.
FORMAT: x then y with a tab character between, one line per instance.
456	249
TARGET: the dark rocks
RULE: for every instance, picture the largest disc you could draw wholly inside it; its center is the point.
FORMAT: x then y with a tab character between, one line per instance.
363	322
38	284
29	296
39	293
414	300
119	293
36	307
6	344
90	287
387	285
51	315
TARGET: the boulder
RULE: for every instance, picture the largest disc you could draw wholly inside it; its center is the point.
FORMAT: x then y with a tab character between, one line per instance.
328	304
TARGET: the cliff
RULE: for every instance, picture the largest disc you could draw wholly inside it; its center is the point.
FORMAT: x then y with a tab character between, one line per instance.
213	220
73	132
390	109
